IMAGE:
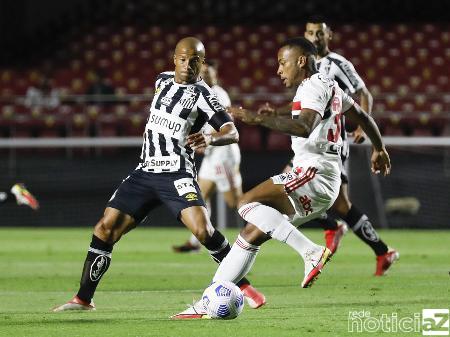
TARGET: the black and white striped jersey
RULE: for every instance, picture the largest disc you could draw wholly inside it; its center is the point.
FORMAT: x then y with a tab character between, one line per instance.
177	110
338	68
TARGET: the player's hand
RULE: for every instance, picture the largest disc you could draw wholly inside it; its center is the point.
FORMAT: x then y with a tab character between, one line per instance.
381	162
198	140
267	110
359	135
200	150
245	115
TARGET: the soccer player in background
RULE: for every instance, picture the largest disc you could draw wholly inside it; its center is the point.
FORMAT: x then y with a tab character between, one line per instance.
21	195
312	186
220	166
182	104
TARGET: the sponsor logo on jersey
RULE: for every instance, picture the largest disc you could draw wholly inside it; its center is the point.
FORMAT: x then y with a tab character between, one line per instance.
191	197
306	204
170	163
167	124
185	186
212	99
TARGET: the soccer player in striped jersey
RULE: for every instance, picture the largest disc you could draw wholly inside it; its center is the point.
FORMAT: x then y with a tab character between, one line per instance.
220	166
181	105
337	67
312	186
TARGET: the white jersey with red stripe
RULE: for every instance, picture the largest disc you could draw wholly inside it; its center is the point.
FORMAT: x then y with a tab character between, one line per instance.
323	95
314	182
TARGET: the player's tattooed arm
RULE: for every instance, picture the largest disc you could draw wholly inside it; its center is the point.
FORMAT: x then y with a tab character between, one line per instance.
228	134
301	127
269	110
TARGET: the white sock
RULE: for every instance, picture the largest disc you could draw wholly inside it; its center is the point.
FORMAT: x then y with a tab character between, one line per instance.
272	222
238	261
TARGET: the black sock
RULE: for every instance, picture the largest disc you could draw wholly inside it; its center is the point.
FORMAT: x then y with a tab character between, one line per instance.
218	247
96	264
361	226
328	223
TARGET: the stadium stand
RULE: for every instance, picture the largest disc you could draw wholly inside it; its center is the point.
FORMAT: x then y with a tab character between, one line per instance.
404	66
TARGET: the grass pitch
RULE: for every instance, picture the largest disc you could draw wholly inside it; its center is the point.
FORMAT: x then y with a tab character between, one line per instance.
147	283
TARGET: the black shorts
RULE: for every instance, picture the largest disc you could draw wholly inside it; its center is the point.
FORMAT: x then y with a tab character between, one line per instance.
142	191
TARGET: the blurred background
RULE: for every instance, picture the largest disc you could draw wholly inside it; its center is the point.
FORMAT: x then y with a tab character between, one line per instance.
76	78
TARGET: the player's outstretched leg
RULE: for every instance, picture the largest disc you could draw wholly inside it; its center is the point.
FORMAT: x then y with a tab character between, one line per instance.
197	220
106	233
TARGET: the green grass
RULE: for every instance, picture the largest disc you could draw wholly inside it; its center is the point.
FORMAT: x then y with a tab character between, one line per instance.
147	283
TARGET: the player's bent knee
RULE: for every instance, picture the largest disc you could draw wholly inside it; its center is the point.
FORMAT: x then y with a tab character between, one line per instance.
112	226
245	199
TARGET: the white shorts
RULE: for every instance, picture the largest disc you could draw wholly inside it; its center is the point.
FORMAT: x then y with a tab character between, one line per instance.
310	191
221	165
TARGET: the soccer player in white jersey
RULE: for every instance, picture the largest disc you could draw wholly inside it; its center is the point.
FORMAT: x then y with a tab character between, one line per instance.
340	69
220	166
313	184
21	195
182	104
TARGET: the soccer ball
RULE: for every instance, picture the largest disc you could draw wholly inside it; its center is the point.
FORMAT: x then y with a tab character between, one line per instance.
223	300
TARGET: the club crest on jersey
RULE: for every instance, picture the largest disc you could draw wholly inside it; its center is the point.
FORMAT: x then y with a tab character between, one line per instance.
191	197
188	101
306	204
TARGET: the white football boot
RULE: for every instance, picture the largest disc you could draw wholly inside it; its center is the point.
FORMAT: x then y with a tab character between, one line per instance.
75	304
314	263
194	311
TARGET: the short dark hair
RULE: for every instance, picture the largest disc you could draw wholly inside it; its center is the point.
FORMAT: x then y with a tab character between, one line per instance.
319	19
307	47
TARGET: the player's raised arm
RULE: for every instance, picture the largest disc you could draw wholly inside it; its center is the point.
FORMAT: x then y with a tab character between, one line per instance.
380	157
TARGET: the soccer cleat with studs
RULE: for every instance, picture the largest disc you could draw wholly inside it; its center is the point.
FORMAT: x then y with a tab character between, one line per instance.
314	263
195	310
75	304
385	261
255	298
24	197
333	237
